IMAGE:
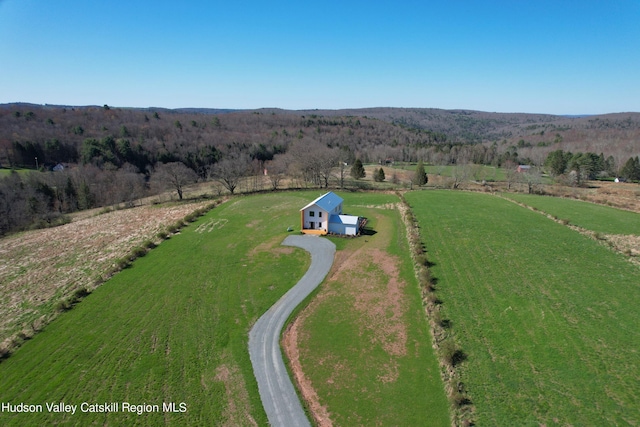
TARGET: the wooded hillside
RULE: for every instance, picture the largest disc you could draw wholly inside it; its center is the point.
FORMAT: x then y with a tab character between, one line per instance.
113	155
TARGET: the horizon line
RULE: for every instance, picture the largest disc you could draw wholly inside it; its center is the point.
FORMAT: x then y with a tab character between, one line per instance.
567	115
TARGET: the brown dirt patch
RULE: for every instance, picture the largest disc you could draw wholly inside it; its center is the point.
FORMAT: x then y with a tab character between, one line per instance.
290	346
381	305
42	266
273	246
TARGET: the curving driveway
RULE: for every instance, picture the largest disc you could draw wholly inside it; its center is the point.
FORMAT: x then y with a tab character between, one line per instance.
278	395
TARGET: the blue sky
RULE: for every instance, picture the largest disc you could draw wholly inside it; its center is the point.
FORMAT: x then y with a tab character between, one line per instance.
558	57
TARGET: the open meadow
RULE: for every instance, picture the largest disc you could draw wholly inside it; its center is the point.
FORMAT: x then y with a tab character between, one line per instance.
477	172
547	318
170	328
173	327
361	349
590	216
544	316
39	269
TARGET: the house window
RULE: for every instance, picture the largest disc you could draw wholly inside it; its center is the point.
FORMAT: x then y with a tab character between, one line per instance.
320	214
312	213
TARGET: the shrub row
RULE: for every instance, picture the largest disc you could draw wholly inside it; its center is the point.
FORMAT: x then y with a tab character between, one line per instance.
9	345
68	302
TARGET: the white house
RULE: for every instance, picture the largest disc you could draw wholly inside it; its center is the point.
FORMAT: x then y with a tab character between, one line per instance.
324	215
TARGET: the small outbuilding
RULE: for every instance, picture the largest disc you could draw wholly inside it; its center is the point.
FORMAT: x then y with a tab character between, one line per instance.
324	215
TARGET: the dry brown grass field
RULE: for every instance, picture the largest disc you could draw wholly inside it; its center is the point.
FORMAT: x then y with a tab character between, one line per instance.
38	268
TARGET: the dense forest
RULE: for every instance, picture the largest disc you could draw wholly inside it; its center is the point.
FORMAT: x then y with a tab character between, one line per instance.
98	156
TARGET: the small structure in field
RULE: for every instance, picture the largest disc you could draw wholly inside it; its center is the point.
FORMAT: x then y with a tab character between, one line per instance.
324	215
523	168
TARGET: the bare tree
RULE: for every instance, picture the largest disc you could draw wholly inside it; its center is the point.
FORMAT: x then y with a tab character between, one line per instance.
460	173
477	171
256	170
510	172
175	175
313	160
276	170
14	209
130	185
230	170
327	160
532	178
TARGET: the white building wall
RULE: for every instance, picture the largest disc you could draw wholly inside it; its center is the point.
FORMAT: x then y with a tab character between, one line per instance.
320	218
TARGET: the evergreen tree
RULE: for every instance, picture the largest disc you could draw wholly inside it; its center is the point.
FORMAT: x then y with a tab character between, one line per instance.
420	177
631	169
556	162
357	170
378	176
86	199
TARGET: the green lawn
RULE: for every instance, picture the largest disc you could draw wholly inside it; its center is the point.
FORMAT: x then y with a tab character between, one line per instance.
6	172
365	344
590	216
547	317
172	328
489	173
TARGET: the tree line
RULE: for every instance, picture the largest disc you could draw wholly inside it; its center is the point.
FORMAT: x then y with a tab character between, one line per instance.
589	166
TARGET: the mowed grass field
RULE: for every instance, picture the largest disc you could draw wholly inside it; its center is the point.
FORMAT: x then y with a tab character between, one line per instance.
490	173
171	328
548	318
598	218
174	328
6	172
363	341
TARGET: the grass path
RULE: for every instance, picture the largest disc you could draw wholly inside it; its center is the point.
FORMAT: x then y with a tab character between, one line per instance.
546	316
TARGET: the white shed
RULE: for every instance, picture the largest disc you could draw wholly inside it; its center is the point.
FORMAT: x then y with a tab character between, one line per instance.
344	224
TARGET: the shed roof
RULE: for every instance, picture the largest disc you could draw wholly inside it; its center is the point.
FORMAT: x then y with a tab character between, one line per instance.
327	201
344	219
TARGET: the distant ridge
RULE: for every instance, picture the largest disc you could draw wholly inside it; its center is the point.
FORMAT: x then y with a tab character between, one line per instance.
459	125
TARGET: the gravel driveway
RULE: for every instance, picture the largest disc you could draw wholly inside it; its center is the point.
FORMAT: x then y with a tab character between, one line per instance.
278	395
